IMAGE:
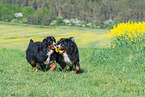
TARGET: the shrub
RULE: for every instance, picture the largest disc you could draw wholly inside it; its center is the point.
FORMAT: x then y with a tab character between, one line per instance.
59	21
17	15
108	24
66	21
53	22
117	20
127	34
32	19
46	20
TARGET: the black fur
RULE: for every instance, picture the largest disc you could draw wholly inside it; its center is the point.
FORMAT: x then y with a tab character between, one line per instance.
37	51
69	48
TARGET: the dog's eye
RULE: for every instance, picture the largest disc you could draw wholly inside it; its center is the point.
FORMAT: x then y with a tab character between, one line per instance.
62	44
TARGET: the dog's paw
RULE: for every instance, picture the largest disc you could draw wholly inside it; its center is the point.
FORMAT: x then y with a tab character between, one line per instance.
35	69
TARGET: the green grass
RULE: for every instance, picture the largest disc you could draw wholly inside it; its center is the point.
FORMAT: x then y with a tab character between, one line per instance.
104	71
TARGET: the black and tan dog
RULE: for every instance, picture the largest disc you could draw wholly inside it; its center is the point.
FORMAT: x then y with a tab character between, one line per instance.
41	53
68	54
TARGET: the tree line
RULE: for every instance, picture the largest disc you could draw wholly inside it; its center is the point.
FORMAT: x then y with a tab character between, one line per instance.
94	11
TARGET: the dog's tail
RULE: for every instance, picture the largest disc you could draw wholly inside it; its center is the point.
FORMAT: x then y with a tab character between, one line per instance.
72	38
31	41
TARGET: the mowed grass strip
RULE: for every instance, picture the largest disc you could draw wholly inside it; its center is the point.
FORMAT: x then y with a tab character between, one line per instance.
17	37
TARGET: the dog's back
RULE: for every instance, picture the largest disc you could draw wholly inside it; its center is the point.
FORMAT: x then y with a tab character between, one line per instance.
32	52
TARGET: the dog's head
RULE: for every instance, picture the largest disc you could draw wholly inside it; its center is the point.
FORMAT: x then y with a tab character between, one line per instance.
49	42
65	44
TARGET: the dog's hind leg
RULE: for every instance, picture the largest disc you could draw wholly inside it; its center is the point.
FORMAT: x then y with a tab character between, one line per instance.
77	67
33	65
71	68
61	63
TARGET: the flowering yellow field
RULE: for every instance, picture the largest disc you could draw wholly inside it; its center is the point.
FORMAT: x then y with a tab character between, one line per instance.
17	37
127	33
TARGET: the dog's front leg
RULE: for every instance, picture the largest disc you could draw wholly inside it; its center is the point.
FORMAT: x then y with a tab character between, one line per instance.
63	65
42	67
53	65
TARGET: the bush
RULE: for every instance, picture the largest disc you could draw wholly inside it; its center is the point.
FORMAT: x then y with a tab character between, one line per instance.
32	19
127	34
108	24
59	21
46	20
117	20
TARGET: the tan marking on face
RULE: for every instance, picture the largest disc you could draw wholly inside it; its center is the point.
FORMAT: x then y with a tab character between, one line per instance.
60	48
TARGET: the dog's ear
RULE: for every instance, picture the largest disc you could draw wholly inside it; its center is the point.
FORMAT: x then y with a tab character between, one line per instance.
46	41
71	44
64	44
53	39
62	39
72	38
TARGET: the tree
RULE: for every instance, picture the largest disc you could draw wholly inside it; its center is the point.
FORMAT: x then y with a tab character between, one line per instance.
26	11
95	11
7	12
38	15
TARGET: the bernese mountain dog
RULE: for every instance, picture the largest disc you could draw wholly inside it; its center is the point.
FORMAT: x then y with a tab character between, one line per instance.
41	53
68	54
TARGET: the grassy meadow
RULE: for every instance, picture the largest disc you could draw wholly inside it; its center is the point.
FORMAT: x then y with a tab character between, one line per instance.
104	71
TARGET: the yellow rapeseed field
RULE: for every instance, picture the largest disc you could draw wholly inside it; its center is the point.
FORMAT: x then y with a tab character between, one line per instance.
125	33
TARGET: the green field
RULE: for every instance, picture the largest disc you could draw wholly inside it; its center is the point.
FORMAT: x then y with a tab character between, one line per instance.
104	71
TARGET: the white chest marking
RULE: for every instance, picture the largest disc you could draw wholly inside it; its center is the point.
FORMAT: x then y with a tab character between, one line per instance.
48	58
67	59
